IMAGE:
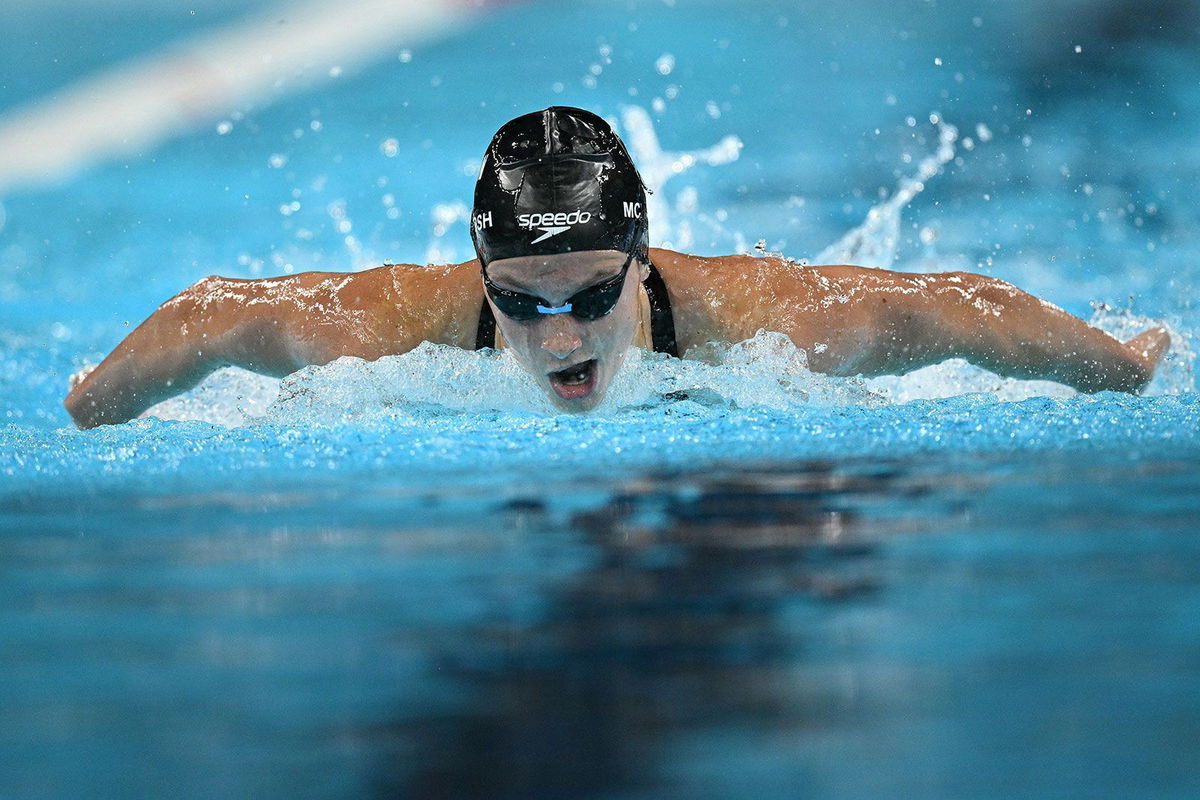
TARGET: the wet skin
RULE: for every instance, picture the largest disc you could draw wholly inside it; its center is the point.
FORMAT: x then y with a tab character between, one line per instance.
850	320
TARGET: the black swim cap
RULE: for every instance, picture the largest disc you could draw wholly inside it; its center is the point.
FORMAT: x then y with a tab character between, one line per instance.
557	181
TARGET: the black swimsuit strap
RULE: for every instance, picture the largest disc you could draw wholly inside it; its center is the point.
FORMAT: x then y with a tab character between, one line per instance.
485	333
662	322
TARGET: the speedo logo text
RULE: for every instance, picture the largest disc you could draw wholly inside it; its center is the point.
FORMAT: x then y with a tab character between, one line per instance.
547	219
552	223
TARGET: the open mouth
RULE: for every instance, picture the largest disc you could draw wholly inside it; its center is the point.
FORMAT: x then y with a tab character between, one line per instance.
576	381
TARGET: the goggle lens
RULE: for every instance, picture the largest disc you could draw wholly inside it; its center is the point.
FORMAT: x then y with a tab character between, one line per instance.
592	303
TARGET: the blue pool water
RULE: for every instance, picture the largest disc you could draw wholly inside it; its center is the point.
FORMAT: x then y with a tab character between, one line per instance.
409	577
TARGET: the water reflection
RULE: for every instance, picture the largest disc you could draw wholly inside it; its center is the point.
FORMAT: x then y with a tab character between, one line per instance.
675	630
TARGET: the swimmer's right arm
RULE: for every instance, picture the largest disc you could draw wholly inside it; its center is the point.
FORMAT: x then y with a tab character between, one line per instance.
273	326
188	337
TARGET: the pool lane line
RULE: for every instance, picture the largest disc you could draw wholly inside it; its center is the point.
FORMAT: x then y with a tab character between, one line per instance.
129	108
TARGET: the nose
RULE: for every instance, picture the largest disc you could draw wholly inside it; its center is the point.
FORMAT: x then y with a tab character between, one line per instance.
562	341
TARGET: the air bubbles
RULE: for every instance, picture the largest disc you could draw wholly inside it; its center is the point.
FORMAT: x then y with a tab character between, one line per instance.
937	62
389	203
287	209
1078	48
335	71
224	127
315	126
928	235
277	161
713	109
389	147
983	133
337	212
404	56
665	64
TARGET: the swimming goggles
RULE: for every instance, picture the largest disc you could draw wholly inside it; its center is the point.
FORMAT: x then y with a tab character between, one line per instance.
594	302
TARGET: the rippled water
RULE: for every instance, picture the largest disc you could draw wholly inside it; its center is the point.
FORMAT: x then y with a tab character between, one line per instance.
409	576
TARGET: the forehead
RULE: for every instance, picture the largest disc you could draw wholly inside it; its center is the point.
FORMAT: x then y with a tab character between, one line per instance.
556	271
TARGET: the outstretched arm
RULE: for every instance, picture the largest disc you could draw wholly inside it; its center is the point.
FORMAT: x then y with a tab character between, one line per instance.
860	321
274	326
889	323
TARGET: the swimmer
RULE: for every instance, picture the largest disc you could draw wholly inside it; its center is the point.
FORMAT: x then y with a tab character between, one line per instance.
565	279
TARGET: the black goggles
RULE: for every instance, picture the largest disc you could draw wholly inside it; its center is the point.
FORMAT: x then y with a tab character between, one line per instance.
594	302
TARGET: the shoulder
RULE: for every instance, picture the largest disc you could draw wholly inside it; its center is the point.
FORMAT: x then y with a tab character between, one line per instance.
435	302
393	308
727	298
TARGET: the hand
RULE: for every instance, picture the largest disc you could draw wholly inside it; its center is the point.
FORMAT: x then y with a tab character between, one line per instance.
1148	348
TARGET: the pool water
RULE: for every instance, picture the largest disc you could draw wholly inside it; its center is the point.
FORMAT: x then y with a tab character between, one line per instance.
411	577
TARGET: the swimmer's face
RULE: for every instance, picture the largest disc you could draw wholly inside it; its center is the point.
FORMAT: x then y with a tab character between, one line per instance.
572	359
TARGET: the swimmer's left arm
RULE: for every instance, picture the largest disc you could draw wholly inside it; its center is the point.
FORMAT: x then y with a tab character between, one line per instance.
878	322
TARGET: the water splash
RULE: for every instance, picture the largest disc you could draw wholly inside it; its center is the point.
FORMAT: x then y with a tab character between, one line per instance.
766	371
658	166
230	397
430	378
874	242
